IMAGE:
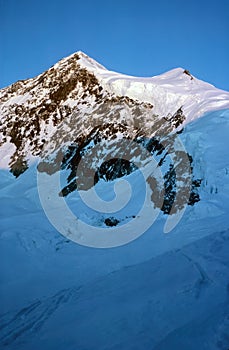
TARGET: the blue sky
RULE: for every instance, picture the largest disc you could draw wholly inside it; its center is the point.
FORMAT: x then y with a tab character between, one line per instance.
142	38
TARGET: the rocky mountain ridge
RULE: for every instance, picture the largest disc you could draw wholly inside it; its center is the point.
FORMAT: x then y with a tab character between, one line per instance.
60	115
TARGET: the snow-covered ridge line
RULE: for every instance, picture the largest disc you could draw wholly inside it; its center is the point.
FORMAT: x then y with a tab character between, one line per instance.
167	92
32	110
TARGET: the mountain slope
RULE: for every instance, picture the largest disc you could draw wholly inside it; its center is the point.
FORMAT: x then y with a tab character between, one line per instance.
108	158
58	115
77	88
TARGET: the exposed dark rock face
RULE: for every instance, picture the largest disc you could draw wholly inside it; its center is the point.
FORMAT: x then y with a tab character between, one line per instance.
111	221
188	73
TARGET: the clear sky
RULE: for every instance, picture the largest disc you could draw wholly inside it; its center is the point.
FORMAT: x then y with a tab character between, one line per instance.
142	38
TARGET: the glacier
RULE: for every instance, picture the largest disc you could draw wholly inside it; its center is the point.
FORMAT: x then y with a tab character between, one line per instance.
161	291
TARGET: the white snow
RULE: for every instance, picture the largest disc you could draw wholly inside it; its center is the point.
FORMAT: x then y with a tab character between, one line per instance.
6	151
167	92
17	99
170	91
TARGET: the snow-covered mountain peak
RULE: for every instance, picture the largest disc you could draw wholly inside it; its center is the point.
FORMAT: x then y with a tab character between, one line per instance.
86	127
80	91
83	60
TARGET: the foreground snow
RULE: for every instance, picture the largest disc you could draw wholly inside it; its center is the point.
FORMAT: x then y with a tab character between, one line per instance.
158	292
